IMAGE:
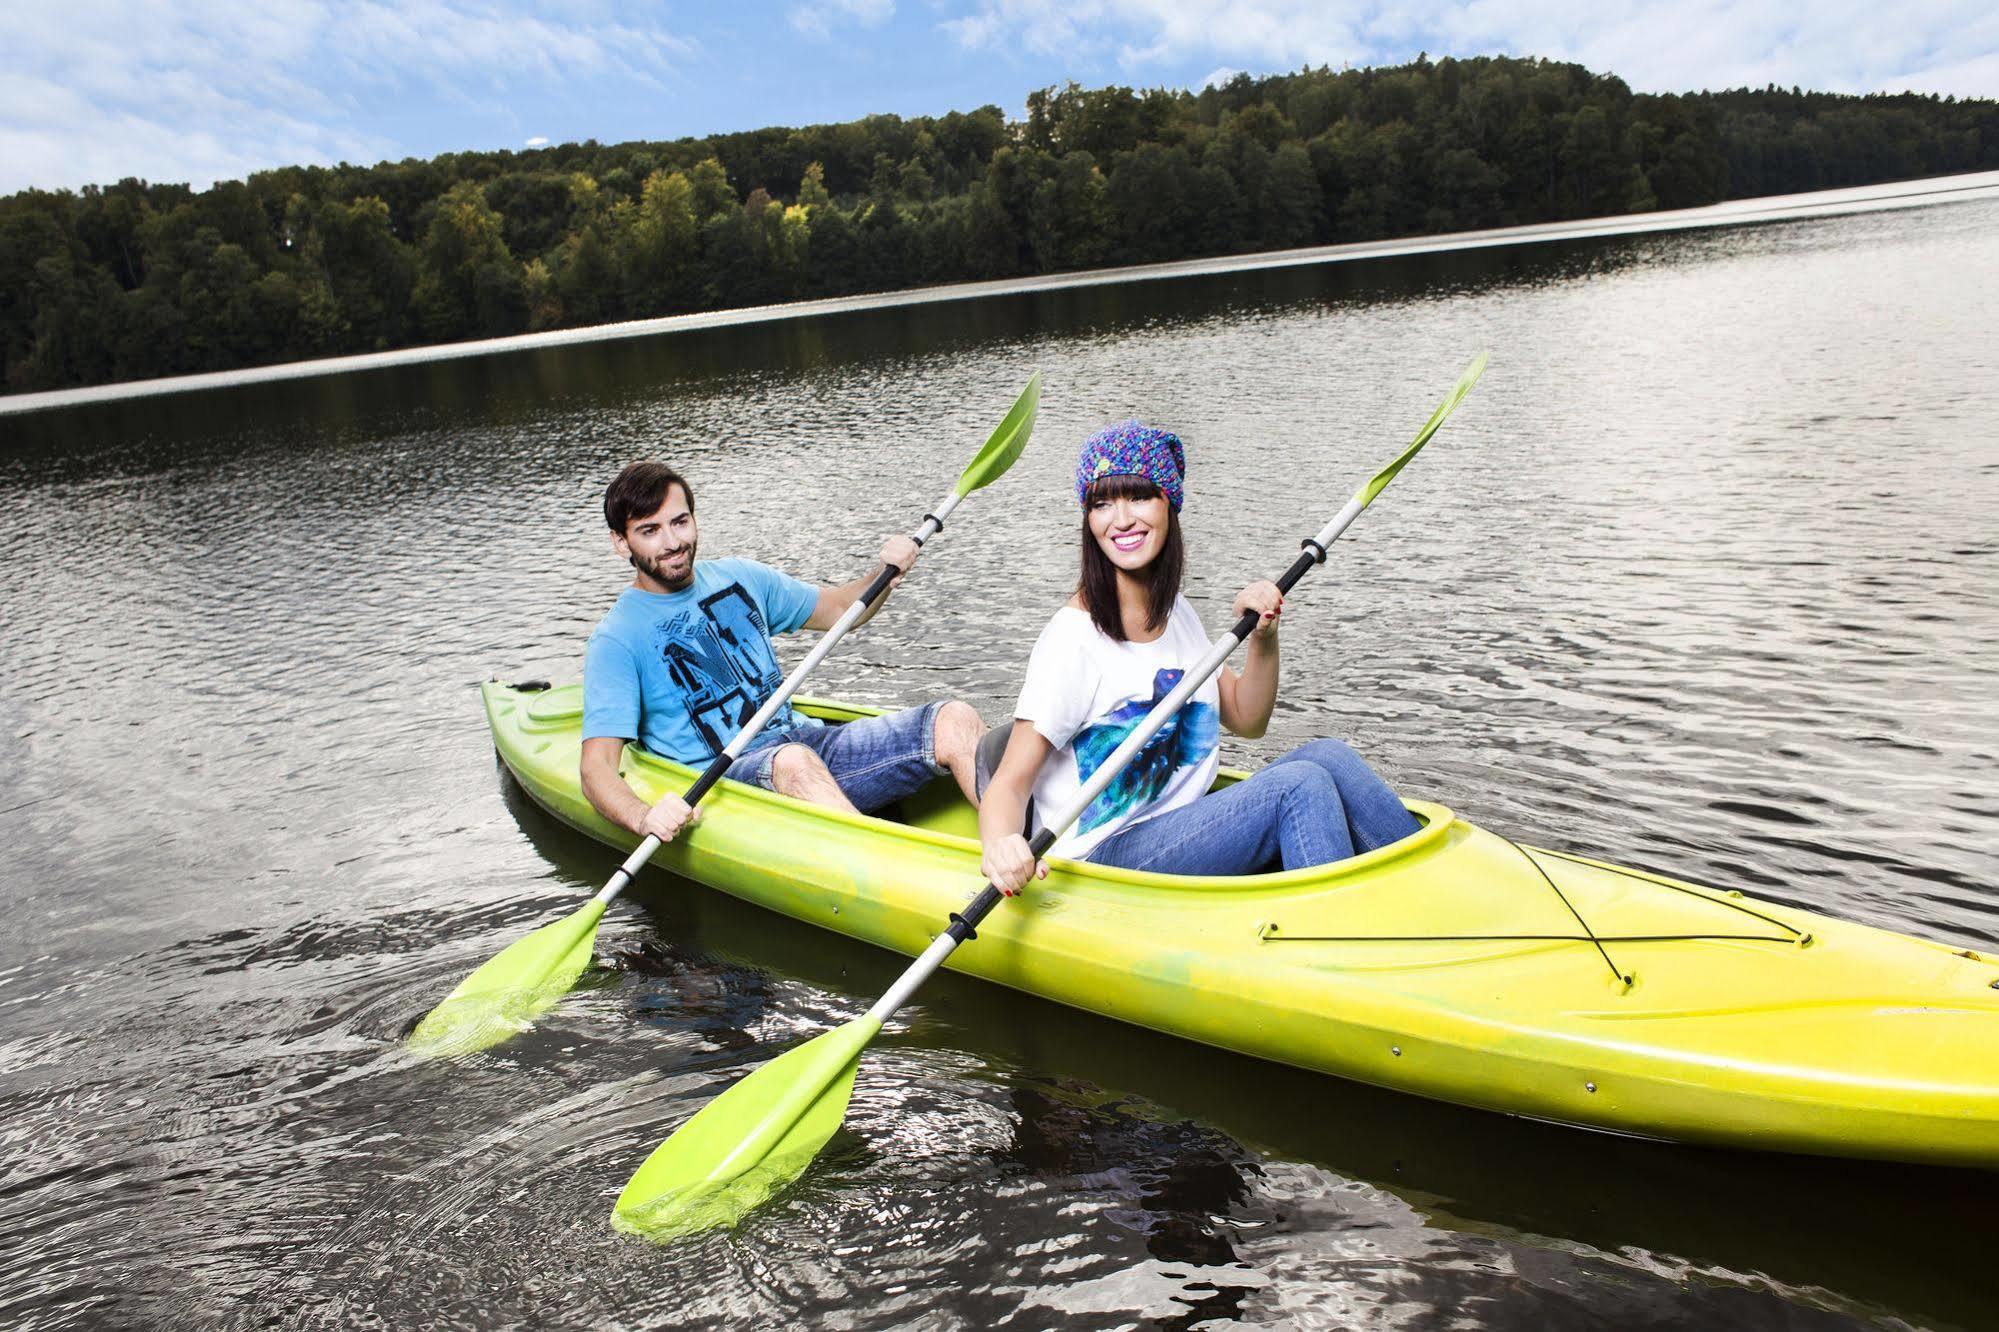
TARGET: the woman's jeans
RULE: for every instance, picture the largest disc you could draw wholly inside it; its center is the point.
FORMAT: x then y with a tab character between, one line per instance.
1317	804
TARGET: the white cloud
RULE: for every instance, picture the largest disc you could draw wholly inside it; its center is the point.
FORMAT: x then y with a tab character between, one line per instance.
1975	77
538	141
1271	33
200	90
818	20
1944	46
1220	76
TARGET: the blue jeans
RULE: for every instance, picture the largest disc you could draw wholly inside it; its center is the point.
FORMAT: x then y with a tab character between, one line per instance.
1317	804
875	760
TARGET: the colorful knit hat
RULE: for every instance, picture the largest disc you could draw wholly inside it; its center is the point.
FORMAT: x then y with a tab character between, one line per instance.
1131	449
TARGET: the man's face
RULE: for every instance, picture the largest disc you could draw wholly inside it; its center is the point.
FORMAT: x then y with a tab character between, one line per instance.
661	545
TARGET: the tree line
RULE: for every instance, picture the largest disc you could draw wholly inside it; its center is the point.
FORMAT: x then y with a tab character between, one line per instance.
135	280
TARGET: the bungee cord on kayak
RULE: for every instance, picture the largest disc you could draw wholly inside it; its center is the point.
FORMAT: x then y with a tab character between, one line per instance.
1272	932
1624	977
1797	936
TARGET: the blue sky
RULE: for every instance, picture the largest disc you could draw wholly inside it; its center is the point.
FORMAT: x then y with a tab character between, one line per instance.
200	90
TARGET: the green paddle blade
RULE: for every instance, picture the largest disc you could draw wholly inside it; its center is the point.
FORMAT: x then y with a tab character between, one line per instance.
503	998
1450	403
747	1143
1005	443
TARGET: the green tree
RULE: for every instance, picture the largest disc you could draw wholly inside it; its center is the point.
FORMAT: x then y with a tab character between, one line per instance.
713	195
539	294
833	252
370	273
1291	210
1151	195
468	283
812	188
665	243
587	276
1069	222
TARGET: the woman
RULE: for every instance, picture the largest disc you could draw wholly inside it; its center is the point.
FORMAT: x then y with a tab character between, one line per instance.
1120	644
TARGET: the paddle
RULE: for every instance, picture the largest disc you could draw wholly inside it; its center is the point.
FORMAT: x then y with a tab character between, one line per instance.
532	974
761	1133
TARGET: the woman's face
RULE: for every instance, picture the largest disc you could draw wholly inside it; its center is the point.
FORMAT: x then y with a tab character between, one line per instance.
1130	532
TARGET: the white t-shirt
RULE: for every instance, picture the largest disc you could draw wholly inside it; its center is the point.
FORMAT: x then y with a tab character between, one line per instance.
1085	694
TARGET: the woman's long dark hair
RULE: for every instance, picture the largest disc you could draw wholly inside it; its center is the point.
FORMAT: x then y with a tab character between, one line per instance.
1098	585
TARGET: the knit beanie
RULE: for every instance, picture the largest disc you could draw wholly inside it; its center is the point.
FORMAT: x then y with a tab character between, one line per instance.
1131	449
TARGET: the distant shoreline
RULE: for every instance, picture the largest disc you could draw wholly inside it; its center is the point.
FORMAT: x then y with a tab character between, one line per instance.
1974	187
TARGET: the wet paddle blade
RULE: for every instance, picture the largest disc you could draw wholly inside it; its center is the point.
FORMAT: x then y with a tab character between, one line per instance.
1006	442
1450	403
747	1143
503	997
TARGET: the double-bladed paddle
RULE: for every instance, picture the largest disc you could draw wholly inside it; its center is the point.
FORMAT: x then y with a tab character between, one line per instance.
532	974
761	1133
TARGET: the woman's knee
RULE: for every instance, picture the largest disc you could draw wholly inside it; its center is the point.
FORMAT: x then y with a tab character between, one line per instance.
1328	753
956	734
1304	788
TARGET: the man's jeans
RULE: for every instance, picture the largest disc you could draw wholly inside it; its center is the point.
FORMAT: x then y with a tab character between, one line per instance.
875	760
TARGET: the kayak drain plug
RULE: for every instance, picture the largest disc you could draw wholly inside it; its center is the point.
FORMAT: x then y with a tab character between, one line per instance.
1589	1087
1395	1050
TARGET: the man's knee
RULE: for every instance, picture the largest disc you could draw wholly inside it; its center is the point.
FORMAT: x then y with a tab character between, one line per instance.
796	770
959	727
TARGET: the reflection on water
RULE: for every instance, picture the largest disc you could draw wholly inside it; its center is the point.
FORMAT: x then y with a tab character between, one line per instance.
1701	579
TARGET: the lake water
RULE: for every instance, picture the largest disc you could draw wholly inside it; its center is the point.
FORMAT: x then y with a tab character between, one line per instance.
1704	578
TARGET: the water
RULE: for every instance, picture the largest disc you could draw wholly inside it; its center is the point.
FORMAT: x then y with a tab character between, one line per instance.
1701	578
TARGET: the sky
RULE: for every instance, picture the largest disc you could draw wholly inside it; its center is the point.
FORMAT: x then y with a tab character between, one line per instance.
202	90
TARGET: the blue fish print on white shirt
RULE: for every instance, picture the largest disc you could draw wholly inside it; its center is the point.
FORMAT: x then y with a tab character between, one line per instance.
1183	742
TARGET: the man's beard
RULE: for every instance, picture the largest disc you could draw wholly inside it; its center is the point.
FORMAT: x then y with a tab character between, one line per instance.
652	569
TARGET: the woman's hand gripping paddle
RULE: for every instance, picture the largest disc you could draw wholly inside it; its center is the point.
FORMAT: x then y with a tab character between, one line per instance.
761	1133
530	975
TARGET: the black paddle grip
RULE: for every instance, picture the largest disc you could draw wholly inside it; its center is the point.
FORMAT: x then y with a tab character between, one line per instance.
1306	559
964	924
889	571
1247	624
706	781
880	585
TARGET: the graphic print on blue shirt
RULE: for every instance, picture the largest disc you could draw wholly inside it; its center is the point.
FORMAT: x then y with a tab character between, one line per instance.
721	660
1181	743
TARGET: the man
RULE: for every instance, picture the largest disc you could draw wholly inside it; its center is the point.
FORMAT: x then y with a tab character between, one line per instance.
684	658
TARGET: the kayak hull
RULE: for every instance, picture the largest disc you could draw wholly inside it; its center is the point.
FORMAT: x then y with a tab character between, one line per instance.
1454	964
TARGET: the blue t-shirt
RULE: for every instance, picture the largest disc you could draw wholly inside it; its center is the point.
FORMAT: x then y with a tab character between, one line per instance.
680	672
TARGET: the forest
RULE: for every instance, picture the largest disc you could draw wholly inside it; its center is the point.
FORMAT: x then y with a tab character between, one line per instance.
136	280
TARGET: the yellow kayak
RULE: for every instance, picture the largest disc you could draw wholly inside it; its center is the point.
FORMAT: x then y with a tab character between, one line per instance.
1454	964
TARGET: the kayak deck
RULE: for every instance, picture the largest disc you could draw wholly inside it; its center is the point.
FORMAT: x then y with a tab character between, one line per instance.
1454	964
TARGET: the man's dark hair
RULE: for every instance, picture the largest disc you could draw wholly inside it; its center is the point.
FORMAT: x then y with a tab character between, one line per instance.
1098	585
639	490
